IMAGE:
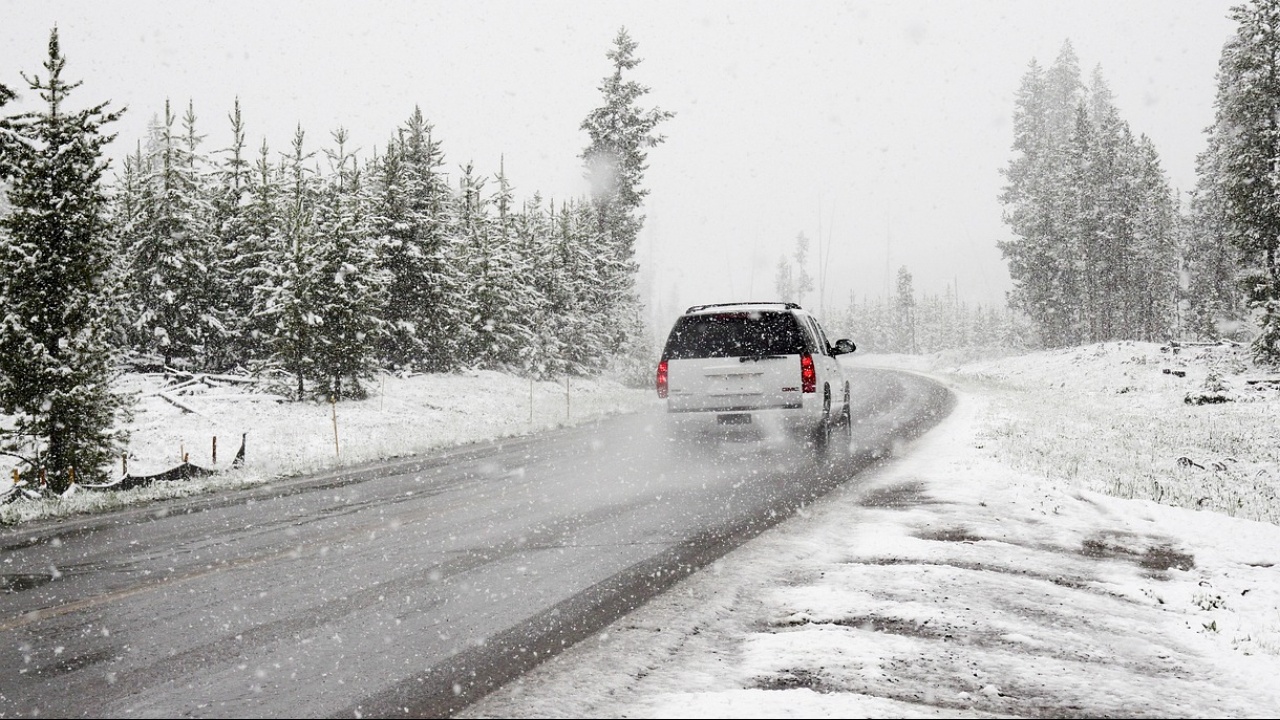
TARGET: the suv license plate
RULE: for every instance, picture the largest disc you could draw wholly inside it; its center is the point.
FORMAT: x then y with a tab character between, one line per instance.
734	419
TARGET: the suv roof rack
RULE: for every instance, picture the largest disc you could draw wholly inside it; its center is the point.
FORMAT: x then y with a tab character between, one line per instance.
788	305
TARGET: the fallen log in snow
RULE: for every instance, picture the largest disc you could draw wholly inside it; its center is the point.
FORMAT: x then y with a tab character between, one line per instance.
181	405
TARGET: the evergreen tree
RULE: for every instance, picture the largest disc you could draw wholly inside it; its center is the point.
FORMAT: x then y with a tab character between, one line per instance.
289	297
515	329
1239	179
784	282
803	280
490	258
1213	304
206	315
1029	208
171	289
1155	259
9	139
474	254
346	285
1092	257
128	218
411	212
257	273
533	229
1065	89
57	288
582	330
1081	245
621	132
905	313
1108	291
239	252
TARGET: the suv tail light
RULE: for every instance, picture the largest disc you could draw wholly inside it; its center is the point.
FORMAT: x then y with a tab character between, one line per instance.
662	379
808	376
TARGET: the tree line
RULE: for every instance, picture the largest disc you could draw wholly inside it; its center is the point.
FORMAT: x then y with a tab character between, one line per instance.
928	323
1101	247
1094	254
311	264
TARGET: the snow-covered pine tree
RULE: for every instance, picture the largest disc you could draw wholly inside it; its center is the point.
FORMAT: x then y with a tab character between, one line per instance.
411	212
580	322
474	255
512	332
9	139
488	255
1090	213
904	308
621	132
1212	303
1245	147
128	203
265	241
57	289
784	283
1154	275
240	251
533	229
289	297
1062	312
170	287
803	280
1134	265
1108	279
1029	207
1081	244
207	329
347	285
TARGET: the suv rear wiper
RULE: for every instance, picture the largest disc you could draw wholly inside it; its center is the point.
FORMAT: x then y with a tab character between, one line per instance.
757	358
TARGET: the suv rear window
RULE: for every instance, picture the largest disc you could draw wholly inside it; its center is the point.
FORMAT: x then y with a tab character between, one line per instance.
734	334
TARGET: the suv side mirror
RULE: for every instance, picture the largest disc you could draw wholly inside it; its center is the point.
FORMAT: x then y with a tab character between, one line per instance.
844	346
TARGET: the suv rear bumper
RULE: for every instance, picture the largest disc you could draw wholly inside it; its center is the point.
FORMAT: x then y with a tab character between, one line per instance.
795	419
674	406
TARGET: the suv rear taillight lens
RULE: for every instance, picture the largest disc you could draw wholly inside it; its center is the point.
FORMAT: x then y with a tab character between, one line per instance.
808	376
662	379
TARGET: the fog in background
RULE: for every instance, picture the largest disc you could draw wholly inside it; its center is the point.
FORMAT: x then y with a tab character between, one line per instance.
877	129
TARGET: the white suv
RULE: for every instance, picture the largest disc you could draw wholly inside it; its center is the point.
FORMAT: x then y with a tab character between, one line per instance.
754	364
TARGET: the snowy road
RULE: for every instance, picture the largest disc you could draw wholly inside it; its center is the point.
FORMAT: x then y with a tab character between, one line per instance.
406	587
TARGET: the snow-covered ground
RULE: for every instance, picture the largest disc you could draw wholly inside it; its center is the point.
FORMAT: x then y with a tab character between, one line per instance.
402	416
1084	536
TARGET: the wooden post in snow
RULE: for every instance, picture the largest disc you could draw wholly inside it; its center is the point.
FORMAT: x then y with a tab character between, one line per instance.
333	403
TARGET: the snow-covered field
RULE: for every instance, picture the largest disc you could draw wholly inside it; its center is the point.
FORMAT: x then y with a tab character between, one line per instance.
402	416
1192	426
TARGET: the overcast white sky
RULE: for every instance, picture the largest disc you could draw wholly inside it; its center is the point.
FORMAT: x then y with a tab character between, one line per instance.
876	128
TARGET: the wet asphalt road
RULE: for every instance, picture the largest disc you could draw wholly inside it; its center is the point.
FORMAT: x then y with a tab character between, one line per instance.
406	588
